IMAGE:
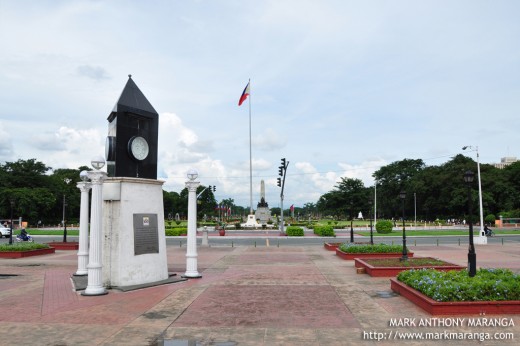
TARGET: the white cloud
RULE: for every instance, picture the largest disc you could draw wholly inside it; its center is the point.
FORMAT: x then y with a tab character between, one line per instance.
334	84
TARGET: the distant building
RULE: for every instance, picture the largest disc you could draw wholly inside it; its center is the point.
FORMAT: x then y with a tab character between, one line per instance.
505	161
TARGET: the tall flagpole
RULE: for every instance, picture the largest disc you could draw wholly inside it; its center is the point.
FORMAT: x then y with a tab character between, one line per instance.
250	156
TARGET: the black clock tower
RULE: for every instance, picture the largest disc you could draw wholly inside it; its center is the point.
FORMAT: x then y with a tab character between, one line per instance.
133	129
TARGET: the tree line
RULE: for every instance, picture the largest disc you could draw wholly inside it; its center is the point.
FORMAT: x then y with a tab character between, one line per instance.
433	192
37	193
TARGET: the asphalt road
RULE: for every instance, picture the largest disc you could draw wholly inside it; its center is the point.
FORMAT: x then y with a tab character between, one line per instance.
260	240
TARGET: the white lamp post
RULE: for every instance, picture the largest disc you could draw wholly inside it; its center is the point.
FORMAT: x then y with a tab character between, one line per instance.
67	181
482	236
84	187
95	266
191	246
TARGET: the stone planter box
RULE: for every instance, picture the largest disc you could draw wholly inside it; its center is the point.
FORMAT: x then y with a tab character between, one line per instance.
351	256
28	253
393	271
331	246
454	308
72	245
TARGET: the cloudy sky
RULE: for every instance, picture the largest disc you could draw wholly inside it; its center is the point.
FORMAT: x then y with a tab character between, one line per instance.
339	88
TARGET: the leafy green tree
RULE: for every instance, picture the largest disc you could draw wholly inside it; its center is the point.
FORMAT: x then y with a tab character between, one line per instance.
393	178
174	204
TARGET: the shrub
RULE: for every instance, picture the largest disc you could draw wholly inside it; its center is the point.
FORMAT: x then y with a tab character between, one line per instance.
324	231
294	231
376	248
177	231
384	226
490	219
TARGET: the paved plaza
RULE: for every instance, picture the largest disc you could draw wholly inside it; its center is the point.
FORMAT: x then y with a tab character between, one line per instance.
287	295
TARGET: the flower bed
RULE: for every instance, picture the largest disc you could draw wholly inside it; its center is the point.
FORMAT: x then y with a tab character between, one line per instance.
71	245
351	256
392	266
490	291
349	251
334	246
26	253
331	246
454	308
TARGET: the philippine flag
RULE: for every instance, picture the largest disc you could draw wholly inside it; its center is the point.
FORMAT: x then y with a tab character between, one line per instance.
245	94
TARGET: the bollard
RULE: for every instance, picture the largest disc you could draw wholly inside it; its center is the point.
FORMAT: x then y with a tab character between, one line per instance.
278	245
415	242
232	245
502	241
459	241
255	243
392	242
437	242
180	243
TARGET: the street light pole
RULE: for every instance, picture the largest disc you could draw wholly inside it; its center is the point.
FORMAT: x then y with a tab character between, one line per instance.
370	218
402	195
11	228
351	222
482	236
191	245
67	181
472	256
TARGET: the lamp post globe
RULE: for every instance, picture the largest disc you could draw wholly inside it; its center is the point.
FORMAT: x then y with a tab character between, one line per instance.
83	175
469	176
98	162
404	257
192	174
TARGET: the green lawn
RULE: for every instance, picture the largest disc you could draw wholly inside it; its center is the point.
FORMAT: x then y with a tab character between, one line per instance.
50	232
433	233
453	232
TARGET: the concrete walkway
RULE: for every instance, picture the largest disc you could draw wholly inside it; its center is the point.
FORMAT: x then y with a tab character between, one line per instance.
247	296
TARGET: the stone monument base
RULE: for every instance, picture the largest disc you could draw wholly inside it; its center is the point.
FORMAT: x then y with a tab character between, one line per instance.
263	214
251	222
134	241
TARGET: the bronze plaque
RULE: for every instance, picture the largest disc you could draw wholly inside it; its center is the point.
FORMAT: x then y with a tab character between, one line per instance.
146	234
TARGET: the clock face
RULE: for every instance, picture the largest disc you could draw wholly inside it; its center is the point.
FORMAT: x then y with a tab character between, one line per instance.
138	147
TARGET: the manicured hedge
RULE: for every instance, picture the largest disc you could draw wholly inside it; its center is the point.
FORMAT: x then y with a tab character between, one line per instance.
376	248
177	231
324	231
294	231
384	226
22	247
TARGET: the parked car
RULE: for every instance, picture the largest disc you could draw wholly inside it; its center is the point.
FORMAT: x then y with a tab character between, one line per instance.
4	231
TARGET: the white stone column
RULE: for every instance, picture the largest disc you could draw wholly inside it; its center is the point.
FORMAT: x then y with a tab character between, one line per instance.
84	187
95	266
191	252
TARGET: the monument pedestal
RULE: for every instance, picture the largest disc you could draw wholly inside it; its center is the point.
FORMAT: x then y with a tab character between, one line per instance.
263	214
134	242
251	222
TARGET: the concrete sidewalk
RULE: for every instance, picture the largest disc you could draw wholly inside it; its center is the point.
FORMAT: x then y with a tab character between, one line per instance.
297	295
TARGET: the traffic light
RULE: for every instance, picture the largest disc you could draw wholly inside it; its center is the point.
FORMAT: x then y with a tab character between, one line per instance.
283	162
279	182
214	188
280	171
